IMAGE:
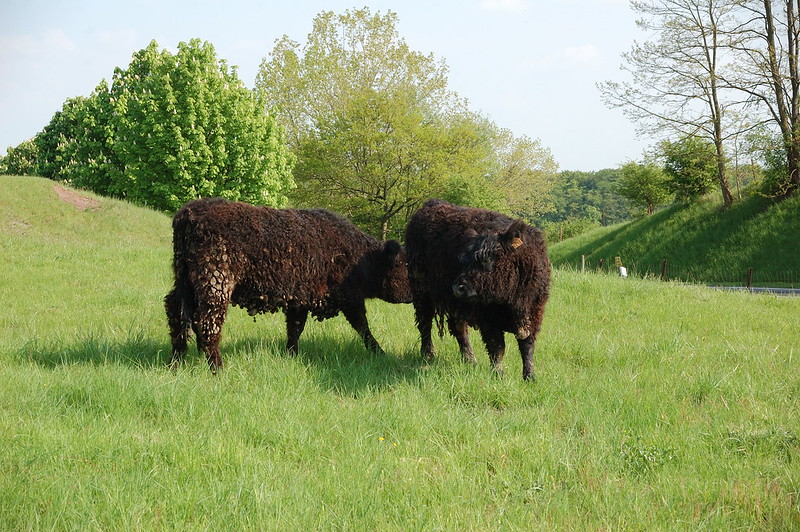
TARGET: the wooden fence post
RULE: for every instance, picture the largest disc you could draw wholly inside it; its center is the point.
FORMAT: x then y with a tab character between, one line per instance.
583	263
750	280
663	269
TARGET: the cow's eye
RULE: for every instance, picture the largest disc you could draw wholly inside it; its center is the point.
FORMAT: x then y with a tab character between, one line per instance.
485	259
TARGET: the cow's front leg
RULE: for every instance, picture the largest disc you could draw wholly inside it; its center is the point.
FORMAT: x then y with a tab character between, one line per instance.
526	346
356	316
495	345
295	323
460	330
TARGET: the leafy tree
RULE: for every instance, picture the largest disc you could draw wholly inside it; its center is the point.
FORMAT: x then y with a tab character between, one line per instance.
524	175
185	126
770	76
75	146
21	160
675	84
56	139
691	166
376	130
644	185
371	159
170	128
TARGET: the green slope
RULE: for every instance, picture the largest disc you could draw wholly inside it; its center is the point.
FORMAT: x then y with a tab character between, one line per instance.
58	256
700	242
658	406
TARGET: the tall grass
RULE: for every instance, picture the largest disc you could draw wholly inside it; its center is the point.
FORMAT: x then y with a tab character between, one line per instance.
658	406
700	242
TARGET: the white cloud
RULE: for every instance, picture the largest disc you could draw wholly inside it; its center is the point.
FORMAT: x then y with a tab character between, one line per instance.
587	55
511	6
125	39
50	44
58	40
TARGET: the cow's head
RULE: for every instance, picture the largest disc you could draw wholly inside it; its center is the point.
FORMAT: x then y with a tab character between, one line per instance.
393	272
487	263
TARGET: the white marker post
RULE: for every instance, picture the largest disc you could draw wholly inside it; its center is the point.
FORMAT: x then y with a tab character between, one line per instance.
623	271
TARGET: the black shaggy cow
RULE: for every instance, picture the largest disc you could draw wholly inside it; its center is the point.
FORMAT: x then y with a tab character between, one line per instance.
265	259
480	268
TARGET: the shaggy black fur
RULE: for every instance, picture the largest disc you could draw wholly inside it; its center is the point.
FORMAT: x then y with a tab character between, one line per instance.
265	259
479	268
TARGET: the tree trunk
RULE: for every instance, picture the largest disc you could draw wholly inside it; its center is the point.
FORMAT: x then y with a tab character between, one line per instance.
722	177
786	97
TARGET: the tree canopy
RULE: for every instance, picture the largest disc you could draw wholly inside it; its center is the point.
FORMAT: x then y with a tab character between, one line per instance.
377	131
644	185
170	128
691	167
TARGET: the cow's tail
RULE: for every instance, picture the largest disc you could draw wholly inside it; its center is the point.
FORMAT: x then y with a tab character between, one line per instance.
180	302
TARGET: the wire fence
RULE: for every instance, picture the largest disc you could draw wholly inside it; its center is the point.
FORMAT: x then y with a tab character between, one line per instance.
752	277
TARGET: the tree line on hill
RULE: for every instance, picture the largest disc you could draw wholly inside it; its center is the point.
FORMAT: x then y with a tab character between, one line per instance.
352	120
726	72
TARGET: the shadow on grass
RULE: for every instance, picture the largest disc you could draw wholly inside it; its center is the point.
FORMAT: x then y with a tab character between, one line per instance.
136	351
343	367
351	369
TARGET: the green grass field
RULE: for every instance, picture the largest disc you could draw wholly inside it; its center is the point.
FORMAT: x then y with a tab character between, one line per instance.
657	406
701	243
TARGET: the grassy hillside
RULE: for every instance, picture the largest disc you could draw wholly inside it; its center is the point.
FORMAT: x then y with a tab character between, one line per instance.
700	242
658	406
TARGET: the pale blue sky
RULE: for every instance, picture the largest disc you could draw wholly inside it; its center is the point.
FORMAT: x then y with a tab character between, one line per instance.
530	65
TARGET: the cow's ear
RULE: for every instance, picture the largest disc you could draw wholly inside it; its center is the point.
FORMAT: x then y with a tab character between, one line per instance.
514	238
392	248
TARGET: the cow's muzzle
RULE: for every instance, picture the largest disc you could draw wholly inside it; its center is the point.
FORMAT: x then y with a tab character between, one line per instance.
462	290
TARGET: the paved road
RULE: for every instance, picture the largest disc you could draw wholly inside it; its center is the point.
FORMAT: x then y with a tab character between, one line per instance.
761	290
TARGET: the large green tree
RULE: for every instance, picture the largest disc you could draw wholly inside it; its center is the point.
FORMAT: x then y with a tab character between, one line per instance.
377	131
188	127
170	128
524	175
374	159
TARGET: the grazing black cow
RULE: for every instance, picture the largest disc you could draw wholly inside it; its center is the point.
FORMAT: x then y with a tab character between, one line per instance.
265	259
480	268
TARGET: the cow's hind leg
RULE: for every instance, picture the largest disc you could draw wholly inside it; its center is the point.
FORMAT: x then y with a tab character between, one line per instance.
295	323
423	310
460	330
178	326
357	318
209	333
495	345
209	317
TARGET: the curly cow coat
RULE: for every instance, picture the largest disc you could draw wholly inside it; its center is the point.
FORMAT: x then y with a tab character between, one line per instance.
265	259
480	268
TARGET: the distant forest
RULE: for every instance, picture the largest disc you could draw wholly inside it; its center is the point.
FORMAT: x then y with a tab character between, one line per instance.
582	200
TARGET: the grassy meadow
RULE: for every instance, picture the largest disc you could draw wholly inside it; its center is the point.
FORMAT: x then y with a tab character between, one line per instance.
657	406
701	242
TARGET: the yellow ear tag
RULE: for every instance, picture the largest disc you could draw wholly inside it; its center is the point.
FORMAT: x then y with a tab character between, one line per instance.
517	242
